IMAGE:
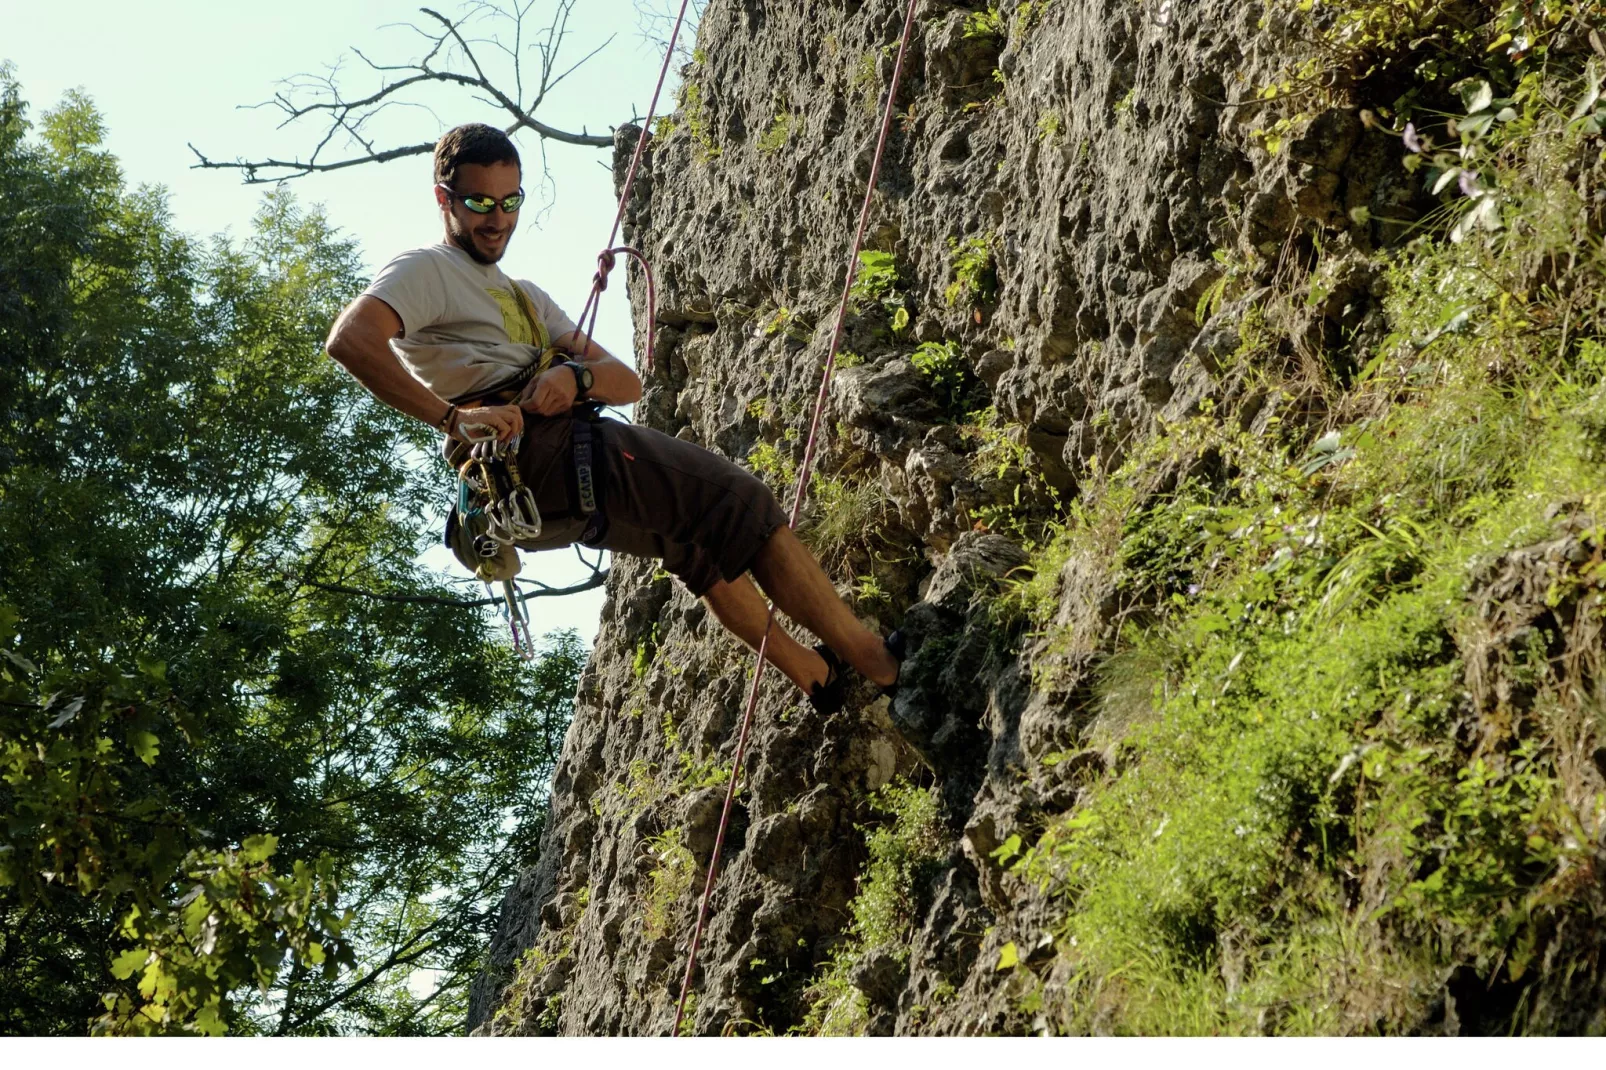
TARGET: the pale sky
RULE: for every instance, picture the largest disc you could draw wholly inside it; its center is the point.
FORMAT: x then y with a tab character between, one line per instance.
167	72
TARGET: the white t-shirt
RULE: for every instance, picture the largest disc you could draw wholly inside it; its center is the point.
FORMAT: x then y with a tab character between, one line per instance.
462	328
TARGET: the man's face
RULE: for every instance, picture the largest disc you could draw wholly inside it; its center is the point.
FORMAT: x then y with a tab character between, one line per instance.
484	237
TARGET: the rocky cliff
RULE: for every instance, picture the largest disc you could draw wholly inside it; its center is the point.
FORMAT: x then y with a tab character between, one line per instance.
1245	591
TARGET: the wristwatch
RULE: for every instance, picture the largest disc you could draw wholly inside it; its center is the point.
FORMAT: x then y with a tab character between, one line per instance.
583	379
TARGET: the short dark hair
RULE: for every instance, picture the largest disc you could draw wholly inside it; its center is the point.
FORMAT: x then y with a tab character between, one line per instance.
471	143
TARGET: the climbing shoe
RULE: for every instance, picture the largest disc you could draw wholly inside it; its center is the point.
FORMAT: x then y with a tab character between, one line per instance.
898	647
827	697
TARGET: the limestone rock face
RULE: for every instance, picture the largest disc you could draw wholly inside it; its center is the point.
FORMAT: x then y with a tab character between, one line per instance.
1092	155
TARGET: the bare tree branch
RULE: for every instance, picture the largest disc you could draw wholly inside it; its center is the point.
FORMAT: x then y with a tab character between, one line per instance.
598	577
450	61
655	19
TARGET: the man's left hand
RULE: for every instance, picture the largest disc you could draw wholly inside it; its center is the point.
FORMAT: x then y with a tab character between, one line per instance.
551	393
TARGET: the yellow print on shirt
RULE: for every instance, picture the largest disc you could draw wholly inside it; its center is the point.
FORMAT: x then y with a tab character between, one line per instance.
514	321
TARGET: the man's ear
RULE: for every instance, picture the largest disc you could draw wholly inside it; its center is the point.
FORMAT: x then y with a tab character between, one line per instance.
442	199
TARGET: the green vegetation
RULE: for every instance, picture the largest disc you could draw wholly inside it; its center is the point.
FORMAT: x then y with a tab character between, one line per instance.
877	282
251	778
785	321
519	997
903	855
706	772
1359	652
779	133
646	652
772	464
945	366
673	873
843	513
985	23
863	83
1234	271
697	124
1048	126
975	279
999	453
1028	15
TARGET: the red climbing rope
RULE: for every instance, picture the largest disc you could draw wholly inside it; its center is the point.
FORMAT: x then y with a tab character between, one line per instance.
605	261
798	496
599	282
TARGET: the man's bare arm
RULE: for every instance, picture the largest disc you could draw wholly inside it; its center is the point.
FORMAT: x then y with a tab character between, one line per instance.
613	381
616	383
360	342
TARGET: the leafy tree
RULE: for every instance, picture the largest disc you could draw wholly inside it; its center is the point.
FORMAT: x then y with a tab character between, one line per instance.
230	689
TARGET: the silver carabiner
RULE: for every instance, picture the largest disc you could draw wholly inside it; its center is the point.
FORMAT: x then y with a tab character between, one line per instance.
518	622
523	518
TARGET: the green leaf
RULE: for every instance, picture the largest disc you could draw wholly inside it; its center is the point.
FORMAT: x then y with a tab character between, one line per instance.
129	963
259	848
208	1022
1007	850
1476	95
146	745
900	320
155	668
1008	957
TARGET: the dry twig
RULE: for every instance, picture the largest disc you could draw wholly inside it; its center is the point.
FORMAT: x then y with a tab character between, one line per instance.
451	60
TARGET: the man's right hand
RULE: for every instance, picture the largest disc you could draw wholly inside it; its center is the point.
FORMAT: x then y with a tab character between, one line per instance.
506	420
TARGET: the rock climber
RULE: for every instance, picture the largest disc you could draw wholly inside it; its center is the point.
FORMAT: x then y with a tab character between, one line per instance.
444	336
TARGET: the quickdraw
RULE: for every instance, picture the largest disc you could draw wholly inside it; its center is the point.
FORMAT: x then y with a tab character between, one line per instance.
499	495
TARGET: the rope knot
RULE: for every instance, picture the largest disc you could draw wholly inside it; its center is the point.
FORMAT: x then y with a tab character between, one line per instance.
605	263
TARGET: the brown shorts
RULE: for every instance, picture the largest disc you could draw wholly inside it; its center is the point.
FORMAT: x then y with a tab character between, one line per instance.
703	516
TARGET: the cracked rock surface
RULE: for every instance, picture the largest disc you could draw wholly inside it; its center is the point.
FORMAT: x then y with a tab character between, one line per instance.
1101	166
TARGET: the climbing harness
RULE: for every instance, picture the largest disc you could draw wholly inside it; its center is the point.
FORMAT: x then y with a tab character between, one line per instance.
589	474
496	512
797	501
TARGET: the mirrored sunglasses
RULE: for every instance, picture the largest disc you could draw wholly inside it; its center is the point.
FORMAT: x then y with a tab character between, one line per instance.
481	203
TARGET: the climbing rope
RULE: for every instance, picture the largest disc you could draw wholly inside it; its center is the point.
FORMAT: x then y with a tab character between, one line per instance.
599	282
605	259
797	504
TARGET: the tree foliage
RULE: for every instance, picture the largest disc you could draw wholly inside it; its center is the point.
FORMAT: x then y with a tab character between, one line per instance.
245	786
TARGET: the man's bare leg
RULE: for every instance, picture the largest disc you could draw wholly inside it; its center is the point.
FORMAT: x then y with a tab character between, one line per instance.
741	609
800	588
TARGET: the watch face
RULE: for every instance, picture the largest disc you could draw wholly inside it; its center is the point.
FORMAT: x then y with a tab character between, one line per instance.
586	378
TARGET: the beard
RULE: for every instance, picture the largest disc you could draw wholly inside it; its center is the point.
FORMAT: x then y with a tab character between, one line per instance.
464	239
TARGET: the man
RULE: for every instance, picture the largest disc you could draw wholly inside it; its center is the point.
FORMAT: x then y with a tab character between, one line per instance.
444	336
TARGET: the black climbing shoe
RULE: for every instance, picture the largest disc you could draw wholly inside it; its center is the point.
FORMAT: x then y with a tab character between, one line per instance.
898	647
827	697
